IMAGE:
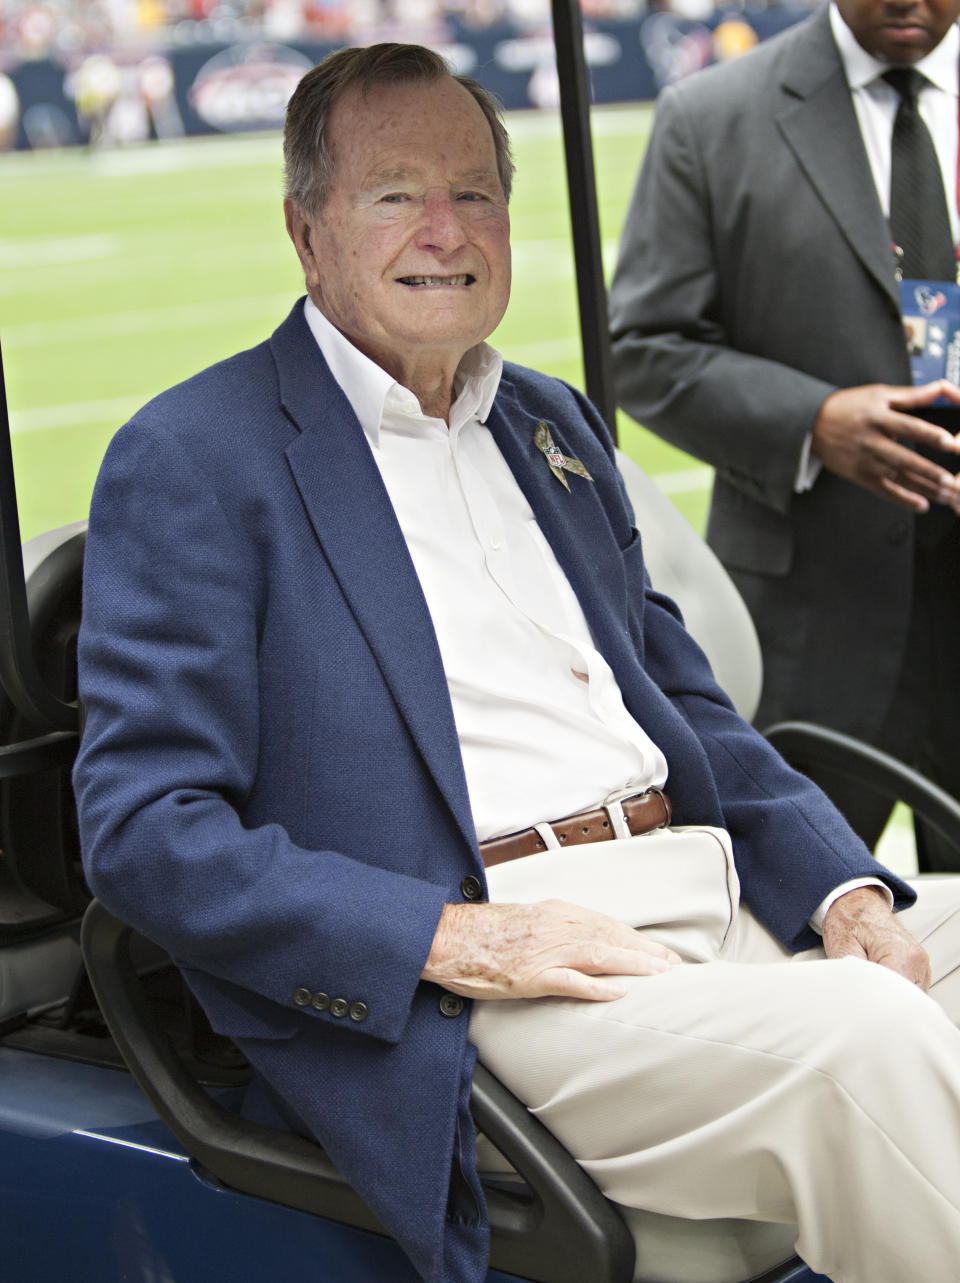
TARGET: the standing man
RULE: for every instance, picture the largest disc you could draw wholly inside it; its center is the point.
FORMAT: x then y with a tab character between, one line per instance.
756	321
367	638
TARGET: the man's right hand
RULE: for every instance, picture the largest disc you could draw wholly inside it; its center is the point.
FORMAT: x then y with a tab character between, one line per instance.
857	435
538	950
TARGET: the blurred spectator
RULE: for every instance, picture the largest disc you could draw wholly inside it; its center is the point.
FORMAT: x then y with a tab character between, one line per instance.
95	87
9	112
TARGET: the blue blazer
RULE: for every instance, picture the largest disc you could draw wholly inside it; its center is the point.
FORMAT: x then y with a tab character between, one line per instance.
270	784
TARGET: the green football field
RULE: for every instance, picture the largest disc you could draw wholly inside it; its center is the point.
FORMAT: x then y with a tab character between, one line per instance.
122	272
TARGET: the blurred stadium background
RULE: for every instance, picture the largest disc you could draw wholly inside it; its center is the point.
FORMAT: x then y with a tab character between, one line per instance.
142	237
125	270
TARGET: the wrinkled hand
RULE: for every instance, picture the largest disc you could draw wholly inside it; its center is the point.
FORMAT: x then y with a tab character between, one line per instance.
536	950
857	435
861	925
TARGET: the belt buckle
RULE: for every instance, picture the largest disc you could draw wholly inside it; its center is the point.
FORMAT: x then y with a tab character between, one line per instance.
613	805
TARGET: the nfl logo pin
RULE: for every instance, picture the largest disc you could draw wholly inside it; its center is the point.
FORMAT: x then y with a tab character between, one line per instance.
557	461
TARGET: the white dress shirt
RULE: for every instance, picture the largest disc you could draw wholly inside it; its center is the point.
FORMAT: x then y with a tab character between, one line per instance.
541	721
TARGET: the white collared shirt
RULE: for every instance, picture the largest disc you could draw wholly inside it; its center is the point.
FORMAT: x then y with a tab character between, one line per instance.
542	724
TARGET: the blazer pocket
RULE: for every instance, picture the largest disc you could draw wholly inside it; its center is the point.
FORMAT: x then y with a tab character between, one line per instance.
636	565
634	549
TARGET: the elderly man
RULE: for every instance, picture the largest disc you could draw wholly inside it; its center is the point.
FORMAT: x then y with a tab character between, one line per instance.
365	614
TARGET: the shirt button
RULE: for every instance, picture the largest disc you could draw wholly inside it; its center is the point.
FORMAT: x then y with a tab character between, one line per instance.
302	996
339	1007
321	1001
359	1011
471	888
451	1004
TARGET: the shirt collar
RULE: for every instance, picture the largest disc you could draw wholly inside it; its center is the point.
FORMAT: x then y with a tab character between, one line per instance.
370	389
861	68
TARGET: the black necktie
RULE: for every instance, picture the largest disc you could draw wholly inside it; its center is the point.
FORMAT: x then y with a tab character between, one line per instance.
919	222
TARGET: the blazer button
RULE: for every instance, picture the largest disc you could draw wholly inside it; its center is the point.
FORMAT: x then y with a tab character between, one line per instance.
320	1000
339	1007
302	997
359	1012
451	1004
471	888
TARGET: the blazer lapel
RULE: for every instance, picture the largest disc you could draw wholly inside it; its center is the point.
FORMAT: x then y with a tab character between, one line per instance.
572	521
819	124
353	518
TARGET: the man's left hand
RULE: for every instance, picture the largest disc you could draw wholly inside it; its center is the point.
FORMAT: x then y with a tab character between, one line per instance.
860	924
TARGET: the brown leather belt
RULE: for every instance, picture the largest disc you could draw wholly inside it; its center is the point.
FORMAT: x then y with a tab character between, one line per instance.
642	812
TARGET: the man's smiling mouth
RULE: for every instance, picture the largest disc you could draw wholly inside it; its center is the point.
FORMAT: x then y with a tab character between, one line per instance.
431	282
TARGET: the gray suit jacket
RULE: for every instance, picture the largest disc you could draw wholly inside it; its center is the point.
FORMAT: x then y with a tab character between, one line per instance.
756	277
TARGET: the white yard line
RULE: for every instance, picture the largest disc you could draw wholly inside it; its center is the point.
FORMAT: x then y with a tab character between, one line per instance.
75	414
145	320
50	250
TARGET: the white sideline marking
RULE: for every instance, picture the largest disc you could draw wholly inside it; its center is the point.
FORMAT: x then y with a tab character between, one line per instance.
74	414
140	321
45	251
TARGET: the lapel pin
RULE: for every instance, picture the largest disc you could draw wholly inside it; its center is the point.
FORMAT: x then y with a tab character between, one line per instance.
558	462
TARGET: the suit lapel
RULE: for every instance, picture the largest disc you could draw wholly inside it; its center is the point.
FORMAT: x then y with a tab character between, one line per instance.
819	123
572	521
353	518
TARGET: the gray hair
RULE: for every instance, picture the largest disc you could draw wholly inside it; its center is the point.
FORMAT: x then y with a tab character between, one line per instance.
308	156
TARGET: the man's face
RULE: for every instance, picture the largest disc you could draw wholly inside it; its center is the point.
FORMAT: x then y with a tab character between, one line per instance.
899	31
410	255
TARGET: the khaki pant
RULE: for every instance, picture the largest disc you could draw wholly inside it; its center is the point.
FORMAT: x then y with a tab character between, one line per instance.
784	1090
